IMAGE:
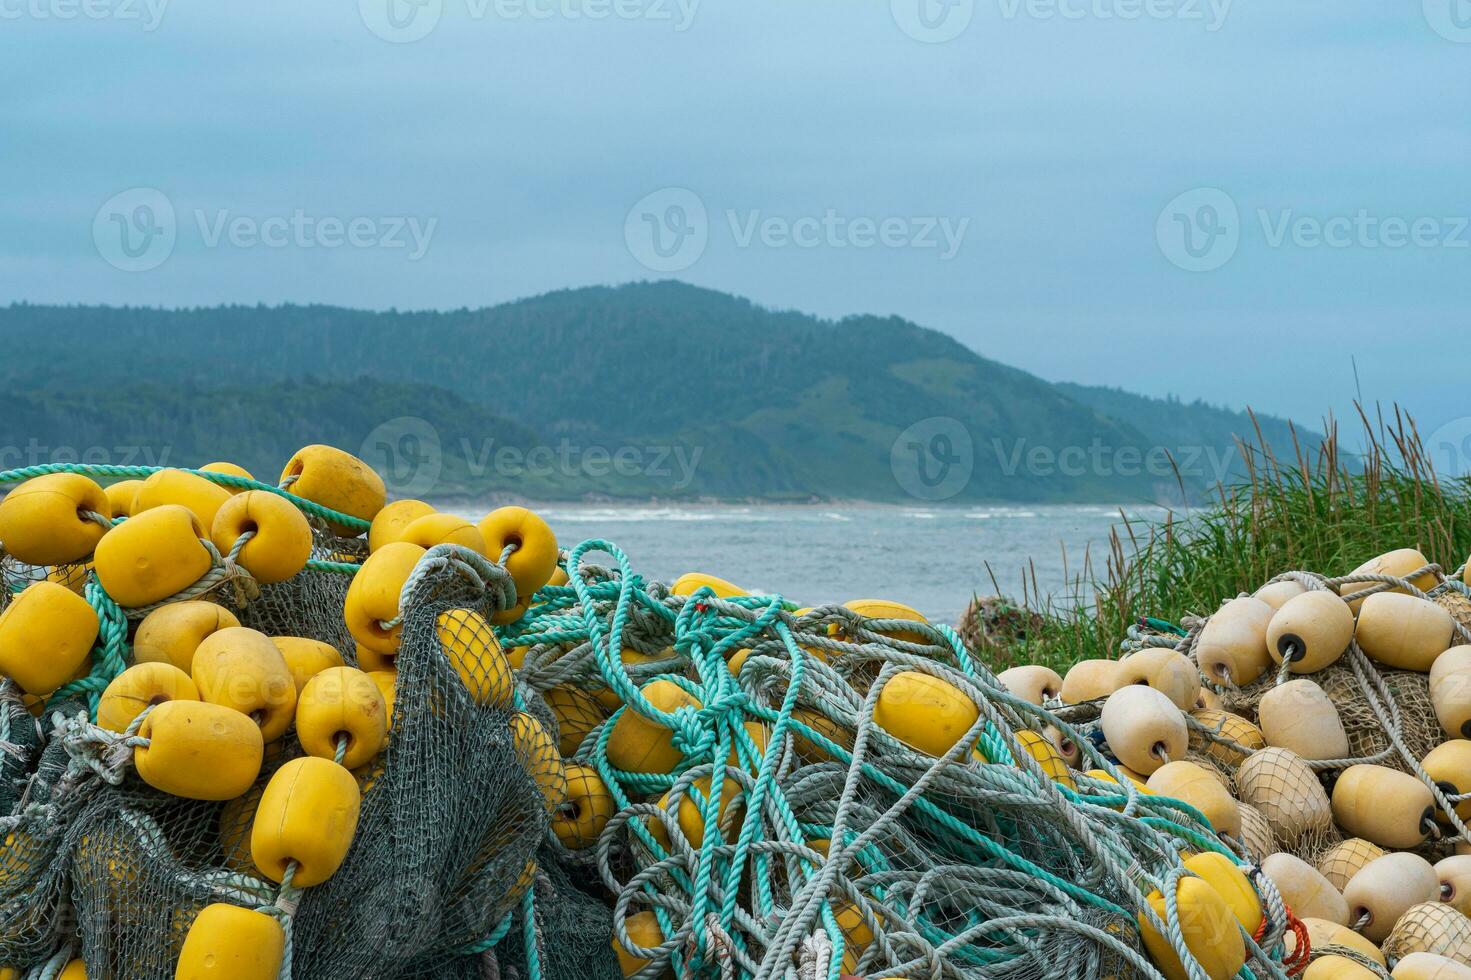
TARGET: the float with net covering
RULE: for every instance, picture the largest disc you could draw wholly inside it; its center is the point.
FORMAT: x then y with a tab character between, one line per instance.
289	729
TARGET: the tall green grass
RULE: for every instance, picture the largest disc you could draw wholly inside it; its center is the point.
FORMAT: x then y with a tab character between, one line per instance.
1316	511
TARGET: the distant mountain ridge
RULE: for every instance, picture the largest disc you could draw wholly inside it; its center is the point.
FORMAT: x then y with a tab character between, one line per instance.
644	390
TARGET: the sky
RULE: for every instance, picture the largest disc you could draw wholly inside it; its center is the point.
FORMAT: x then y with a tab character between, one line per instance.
1236	201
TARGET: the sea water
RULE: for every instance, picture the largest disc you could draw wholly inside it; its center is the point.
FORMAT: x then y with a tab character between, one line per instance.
933	558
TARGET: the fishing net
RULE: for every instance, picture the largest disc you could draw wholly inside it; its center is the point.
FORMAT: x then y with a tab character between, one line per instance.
804	817
797	830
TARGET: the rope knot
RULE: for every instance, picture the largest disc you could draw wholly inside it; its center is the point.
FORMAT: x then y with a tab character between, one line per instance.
691	736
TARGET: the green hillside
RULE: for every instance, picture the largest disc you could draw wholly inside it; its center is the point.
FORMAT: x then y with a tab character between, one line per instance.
650	389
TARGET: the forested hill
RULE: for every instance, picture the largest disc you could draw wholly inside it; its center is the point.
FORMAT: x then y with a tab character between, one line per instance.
649	389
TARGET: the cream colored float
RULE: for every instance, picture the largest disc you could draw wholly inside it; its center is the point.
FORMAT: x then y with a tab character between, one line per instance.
1400	564
1170	673
1144	728
1430	927
1449	766
1450	691
1310	631
1032	683
1322	933
1299	716
1304	890
1278	593
1232	728
1382	805
1428	966
1385	889
1089	680
1455	882
1403	631
1232	648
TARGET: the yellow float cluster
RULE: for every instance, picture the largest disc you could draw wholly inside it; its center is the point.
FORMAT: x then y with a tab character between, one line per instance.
206	704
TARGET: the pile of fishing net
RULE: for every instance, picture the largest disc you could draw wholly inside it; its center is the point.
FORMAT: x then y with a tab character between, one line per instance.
256	730
1323	724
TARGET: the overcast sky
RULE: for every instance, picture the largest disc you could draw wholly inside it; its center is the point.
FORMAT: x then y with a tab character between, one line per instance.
1216	199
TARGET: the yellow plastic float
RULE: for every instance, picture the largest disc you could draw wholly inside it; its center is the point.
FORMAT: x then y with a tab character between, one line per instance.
226	942
283	539
120	497
139	688
44	520
373	597
535	554
306	658
474	652
201	497
307	816
579	821
433	529
338	481
46	635
1208	923
639	744
925	713
342	703
538	752
389	523
170	634
150	557
198	750
242	669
